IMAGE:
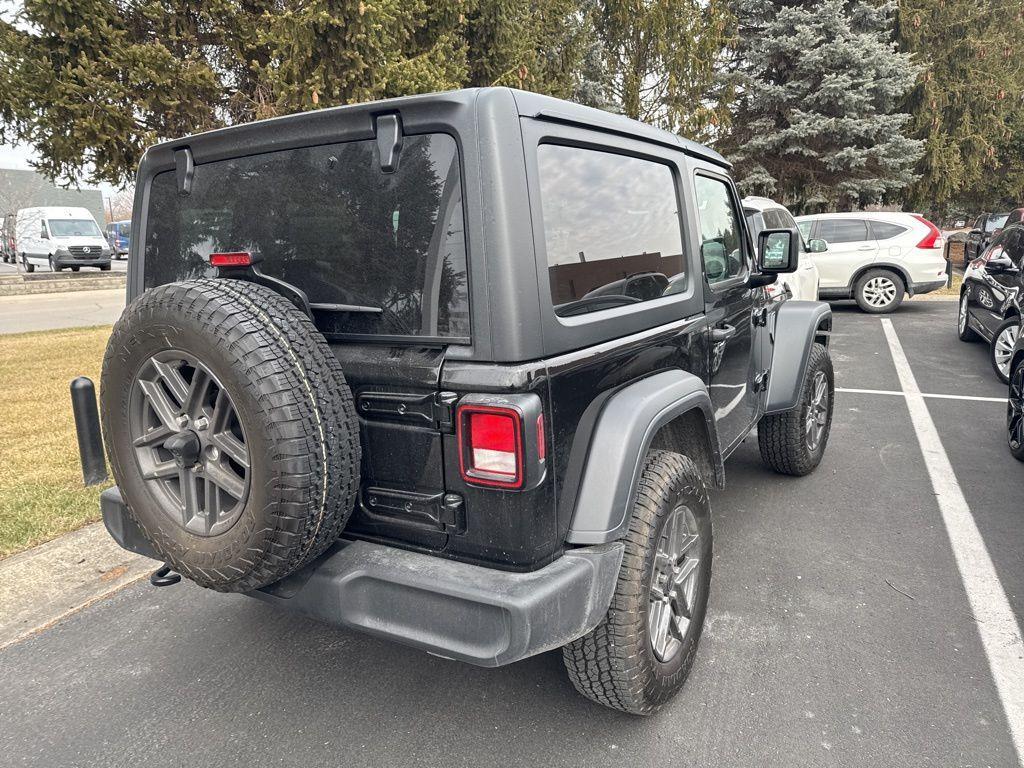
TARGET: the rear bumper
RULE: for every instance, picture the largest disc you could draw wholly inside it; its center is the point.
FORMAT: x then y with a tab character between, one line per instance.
456	610
927	287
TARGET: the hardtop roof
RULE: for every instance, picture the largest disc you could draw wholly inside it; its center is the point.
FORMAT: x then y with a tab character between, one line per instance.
528	104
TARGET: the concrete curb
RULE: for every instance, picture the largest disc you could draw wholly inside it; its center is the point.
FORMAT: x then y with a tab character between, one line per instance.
21	285
45	584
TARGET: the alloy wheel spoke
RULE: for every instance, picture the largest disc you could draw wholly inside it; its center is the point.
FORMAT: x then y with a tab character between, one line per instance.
162	471
189	494
232	447
225	479
153	437
173	378
161	404
197	388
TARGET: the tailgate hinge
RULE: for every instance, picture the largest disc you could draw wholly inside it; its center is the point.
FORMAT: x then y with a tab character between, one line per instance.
444	411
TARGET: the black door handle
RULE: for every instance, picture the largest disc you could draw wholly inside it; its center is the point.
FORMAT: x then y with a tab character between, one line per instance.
723	333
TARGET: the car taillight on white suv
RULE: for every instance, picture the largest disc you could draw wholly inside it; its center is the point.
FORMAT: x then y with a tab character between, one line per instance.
934	237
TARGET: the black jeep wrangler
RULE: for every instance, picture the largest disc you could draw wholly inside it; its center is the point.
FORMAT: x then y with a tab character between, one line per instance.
456	370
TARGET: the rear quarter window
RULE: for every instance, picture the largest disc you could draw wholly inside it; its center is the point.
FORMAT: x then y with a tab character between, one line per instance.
611	229
883	230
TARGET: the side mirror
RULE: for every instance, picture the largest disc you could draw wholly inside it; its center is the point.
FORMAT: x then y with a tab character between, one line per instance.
1000	263
44	235
975	232
778	251
817	245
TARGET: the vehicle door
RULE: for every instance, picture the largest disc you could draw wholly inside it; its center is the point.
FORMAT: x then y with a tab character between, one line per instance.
730	306
972	246
988	293
850	247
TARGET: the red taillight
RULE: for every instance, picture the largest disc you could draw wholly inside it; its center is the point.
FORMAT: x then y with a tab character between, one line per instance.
490	445
233	259
931	240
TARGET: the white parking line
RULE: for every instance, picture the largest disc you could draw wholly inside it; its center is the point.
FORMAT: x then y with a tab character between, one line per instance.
923	394
999	630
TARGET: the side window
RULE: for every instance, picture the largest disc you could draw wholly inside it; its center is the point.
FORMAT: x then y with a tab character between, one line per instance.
883	230
721	238
843	230
611	229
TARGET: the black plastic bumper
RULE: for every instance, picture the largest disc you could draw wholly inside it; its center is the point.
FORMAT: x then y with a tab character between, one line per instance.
479	615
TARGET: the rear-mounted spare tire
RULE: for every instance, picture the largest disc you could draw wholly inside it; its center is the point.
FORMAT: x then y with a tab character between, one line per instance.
231	431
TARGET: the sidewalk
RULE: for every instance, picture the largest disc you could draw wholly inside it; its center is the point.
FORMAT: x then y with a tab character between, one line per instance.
46	583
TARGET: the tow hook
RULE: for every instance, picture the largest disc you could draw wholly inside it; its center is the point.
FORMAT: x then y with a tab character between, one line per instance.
164	576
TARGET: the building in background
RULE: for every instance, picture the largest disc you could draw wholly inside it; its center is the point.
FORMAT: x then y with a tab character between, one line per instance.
25	189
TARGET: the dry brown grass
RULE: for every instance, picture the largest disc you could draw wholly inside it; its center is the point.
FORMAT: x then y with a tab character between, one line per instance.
41	489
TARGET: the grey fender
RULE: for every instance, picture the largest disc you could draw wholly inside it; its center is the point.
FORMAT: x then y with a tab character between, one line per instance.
798	325
630	423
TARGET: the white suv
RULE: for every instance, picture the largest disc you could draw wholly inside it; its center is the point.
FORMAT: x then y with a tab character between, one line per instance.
763	213
875	258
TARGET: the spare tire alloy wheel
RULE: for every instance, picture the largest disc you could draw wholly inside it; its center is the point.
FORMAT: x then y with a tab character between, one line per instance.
1015	413
1002	347
231	431
189	443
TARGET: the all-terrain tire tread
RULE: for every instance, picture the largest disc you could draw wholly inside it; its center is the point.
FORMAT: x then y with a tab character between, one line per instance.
289	369
605	665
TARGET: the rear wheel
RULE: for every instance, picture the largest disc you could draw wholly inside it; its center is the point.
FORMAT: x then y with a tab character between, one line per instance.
1015	412
1001	349
879	291
640	654
963	330
793	442
231	431
75	269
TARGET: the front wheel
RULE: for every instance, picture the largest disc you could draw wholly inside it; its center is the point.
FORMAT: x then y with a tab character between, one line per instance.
879	291
1001	349
640	654
793	442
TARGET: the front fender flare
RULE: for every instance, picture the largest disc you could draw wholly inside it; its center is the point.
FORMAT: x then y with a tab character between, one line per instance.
796	327
625	430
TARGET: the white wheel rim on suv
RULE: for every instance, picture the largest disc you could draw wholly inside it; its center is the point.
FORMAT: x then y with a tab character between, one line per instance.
879	292
1003	348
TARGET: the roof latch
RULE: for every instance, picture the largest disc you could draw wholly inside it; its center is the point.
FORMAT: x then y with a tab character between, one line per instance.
186	169
389	141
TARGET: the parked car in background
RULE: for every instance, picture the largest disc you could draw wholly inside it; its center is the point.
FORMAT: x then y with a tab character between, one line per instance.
7	247
119	237
763	213
990	301
876	258
60	237
987	226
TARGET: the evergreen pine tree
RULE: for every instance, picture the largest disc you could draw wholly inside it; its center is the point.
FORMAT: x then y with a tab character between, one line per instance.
968	102
660	60
817	89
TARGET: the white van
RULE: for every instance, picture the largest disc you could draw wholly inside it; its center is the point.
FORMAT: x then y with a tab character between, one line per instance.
59	237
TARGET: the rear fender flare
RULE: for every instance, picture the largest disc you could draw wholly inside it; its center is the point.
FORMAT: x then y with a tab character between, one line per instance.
798	326
630	422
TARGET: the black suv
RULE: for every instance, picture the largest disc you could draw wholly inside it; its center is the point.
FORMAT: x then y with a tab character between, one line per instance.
456	370
990	300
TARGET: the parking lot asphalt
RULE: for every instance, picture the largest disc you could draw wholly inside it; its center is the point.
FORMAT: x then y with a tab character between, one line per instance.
71	309
839	630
